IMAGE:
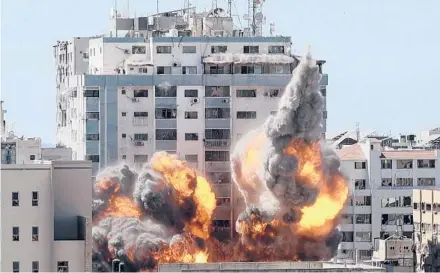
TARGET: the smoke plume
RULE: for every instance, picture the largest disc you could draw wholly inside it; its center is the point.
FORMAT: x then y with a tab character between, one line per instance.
289	180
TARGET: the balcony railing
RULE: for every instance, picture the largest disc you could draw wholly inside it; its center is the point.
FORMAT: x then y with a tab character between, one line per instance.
217	143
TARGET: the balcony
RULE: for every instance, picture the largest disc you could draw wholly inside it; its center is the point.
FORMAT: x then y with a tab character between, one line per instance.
218	143
217	166
140	121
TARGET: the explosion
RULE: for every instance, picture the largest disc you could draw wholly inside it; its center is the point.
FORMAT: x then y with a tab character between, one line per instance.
289	180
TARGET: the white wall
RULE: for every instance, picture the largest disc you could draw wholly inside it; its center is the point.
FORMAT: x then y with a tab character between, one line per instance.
56	153
70	251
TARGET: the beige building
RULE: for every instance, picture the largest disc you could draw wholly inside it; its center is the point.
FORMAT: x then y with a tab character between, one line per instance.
426	205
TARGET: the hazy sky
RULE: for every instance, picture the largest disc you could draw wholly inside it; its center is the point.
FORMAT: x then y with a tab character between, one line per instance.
382	56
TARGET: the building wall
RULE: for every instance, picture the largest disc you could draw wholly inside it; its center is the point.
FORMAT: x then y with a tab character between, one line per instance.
57	153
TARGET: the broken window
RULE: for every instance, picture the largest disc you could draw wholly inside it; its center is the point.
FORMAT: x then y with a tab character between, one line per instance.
91	93
387	182
217	134
189	49
396	202
217	91
404	182
189	69
360	165
217	156
362	200
397	219
219	177
140	137
191	114
347	236
92	137
363	236
191	93
404	164
275	50
166	134
35	198
63	266
163	70
35	233
165	91
15	199
140	93
92	115
360	184
138	49
163	49
386	164
166	113
347	219
251	49
217	113
219	49
246	93
246	114
425	181
363	219
191	136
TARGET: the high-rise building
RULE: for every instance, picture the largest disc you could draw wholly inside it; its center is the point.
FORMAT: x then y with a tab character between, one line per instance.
46	217
382	181
180	81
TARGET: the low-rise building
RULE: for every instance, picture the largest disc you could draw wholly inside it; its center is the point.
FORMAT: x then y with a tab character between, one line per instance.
46	217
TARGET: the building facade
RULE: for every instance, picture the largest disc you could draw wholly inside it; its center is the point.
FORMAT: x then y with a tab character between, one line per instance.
382	183
45	216
426	205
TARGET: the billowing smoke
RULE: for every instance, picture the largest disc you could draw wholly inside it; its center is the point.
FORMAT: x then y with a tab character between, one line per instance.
290	183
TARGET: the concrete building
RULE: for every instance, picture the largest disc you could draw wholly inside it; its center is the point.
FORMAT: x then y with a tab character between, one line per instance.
382	183
46	217
165	83
426	205
24	150
268	267
395	253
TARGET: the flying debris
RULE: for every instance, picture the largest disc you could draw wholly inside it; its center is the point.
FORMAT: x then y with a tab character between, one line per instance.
289	181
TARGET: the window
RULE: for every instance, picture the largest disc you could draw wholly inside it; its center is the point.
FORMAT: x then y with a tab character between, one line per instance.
213	156
251	49
362	200
425	181
360	184
363	219
223	201
15	234
219	49
347	219
217	113
140	114
272	93
91	137
404	182
415	206
91	93
124	114
62	266
363	236
191	136
15	266
123	91
246	114
324	115
191	93
161	70
15	199
141	93
34	198
217	133
404	164
165	91
323	92
165	113
276	50
143	70
124	135
92	115
360	165
140	159
189	69
32	157
428	207
35	266
93	158
387	164
35	234
140	137
217	91
163	49
191	115
396	202
85	55
347	236
249	69
189	49
166	134
124	157
425	163
273	113
250	93
218	69
397	219
138	50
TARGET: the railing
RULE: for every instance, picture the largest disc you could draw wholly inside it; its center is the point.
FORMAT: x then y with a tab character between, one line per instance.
218	143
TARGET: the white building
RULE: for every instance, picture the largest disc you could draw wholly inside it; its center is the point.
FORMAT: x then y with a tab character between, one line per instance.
24	150
45	217
382	184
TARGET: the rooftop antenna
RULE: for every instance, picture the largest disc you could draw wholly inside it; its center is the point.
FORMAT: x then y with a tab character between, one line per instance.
358	132
230	8
254	9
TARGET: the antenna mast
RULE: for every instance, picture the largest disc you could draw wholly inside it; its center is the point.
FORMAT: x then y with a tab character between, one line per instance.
230	8
358	132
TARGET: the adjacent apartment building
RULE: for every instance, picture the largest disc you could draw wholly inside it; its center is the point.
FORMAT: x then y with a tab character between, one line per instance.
183	82
382	183
46	217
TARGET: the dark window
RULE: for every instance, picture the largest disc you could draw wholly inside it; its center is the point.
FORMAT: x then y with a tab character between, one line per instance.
251	49
191	136
91	93
123	91
124	135
276	49
34	198
140	137
63	266
191	115
92	115
217	113
165	91
32	157
246	114
15	266
189	49
324	92
35	266
247	93
140	114
165	113
93	158
217	91
138	50
360	165
161	70
166	134
163	49
124	114
191	93
15	199
212	156
15	234
141	93
92	137
217	133
35	233
219	49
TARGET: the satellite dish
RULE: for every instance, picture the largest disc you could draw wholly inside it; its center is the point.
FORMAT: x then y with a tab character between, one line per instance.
259	16
246	17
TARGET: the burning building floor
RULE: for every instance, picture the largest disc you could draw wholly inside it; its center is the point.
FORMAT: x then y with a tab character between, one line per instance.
288	179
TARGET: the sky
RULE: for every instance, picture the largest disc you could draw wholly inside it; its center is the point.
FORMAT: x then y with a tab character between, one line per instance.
382	56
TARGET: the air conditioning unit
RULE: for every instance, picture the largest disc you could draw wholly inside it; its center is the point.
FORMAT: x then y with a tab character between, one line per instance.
139	143
135	100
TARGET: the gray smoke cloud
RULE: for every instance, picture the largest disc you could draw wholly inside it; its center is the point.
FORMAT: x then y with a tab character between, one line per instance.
272	189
